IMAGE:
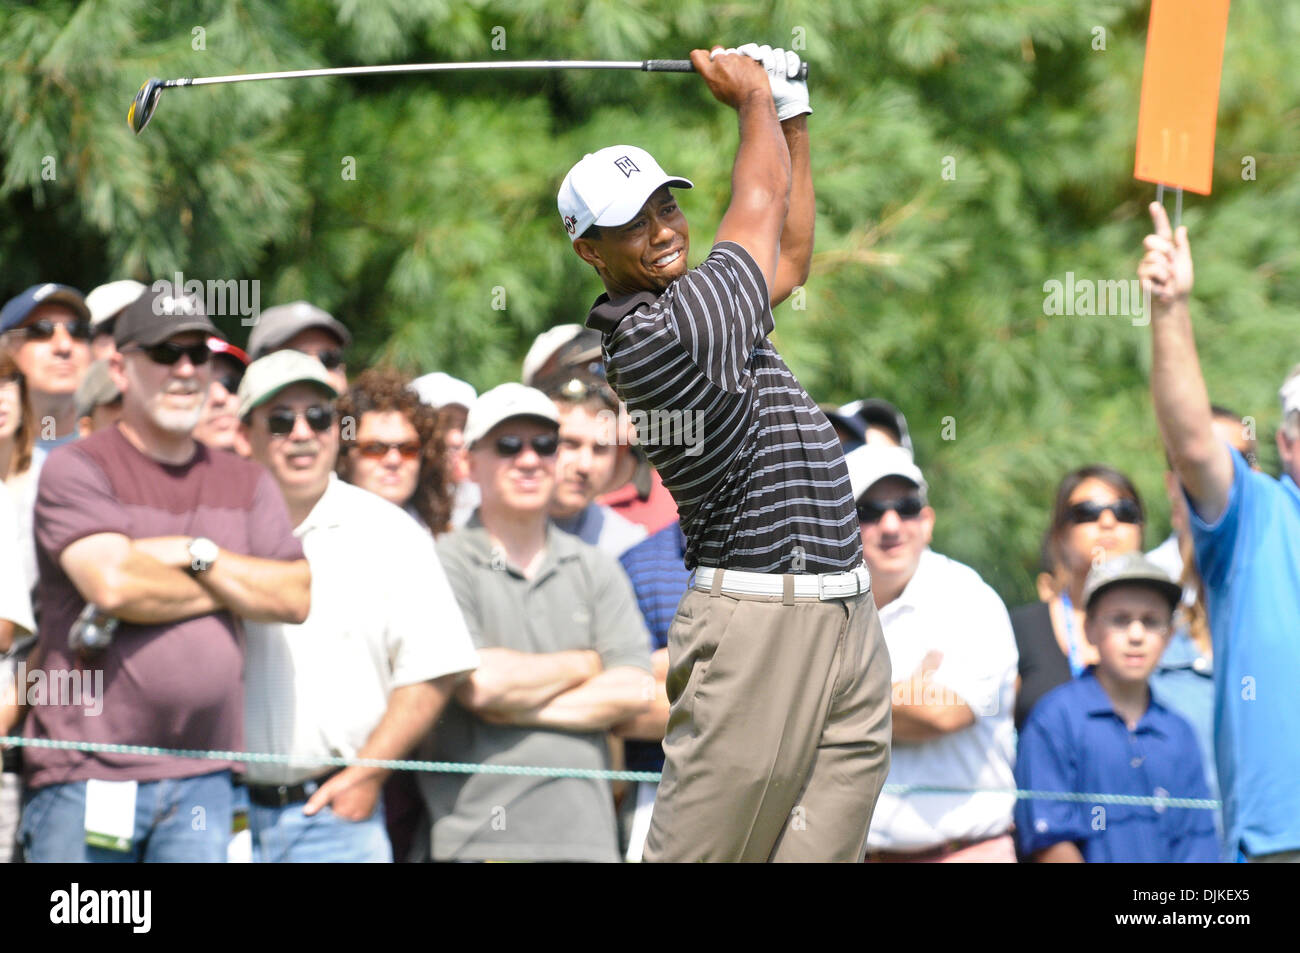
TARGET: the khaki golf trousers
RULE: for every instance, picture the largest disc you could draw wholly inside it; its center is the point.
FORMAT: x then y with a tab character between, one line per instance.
779	732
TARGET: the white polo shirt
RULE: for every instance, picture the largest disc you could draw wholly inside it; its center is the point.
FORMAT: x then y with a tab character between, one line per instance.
382	616
15	601
946	607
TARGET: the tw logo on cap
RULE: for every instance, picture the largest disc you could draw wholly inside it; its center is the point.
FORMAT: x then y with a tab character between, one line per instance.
625	165
570	224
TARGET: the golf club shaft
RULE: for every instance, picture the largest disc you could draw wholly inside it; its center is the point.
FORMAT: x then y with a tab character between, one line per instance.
650	66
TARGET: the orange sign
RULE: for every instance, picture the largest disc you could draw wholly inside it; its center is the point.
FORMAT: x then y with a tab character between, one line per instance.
1180	93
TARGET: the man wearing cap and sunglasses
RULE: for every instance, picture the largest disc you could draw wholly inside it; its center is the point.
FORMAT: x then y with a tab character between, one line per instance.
300	326
173	544
218	428
778	741
953	652
47	328
563	656
367	673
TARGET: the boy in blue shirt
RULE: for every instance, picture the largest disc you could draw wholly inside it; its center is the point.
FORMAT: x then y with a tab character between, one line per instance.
1105	733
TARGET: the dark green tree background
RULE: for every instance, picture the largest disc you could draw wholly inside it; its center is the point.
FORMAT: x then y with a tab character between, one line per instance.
966	152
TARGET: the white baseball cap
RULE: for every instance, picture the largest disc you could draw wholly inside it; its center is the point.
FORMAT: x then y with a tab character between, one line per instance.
1290	394
269	375
545	345
107	300
609	187
871	463
504	402
439	390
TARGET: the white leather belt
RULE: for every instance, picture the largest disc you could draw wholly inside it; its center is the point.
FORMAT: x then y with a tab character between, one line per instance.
827	586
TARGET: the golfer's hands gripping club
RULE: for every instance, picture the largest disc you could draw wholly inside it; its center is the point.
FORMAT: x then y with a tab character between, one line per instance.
731	77
782	67
1166	268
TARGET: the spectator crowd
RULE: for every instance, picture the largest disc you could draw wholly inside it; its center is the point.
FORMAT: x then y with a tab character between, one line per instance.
204	547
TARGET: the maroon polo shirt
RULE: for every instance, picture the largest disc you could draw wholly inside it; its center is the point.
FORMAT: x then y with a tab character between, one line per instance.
176	685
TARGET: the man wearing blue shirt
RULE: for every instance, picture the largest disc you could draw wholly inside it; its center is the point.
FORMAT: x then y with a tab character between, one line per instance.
1246	527
1105	732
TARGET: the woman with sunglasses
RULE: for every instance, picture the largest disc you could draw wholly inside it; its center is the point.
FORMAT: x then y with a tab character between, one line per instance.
1097	515
393	446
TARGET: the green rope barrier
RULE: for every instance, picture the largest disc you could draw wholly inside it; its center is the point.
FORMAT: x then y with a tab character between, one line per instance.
652	777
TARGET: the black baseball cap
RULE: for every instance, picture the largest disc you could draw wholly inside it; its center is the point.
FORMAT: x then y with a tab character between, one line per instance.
17	308
878	413
160	313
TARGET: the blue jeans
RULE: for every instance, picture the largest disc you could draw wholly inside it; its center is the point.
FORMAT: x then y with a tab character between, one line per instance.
284	835
178	820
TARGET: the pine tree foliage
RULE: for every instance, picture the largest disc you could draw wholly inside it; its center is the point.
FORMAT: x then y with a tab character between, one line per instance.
966	152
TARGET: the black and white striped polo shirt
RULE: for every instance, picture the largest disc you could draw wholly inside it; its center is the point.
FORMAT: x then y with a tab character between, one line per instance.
754	465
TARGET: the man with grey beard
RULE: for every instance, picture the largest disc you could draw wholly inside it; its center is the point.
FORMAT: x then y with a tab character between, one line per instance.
148	537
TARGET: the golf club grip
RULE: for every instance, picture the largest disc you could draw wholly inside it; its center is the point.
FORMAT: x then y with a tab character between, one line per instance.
685	66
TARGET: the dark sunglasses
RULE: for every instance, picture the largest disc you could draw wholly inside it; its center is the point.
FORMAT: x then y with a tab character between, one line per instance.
1089	511
168	353
332	358
43	329
544	445
230	382
377	449
281	421
873	511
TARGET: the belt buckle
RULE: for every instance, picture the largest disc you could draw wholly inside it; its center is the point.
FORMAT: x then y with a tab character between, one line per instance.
821	587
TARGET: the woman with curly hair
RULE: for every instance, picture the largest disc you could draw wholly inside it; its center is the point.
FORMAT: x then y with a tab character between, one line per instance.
393	447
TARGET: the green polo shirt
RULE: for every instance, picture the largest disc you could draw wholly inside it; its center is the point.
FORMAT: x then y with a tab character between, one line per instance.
580	598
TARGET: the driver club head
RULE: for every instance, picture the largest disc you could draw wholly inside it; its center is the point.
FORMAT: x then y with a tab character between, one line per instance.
144	104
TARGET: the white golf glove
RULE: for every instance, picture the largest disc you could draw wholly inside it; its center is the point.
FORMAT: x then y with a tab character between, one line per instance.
789	93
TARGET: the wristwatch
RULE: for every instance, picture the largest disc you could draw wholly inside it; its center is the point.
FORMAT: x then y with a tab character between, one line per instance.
203	553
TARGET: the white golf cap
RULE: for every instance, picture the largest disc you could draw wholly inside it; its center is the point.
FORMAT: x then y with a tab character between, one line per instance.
870	464
504	402
546	344
269	375
107	300
609	187
439	390
1290	394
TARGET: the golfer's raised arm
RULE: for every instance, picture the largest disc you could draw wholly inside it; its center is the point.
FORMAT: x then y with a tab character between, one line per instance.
760	177
797	235
1182	404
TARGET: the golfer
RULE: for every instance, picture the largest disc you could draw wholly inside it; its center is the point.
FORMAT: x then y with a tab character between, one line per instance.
778	738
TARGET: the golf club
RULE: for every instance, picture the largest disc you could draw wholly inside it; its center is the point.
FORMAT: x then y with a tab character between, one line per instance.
146	100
